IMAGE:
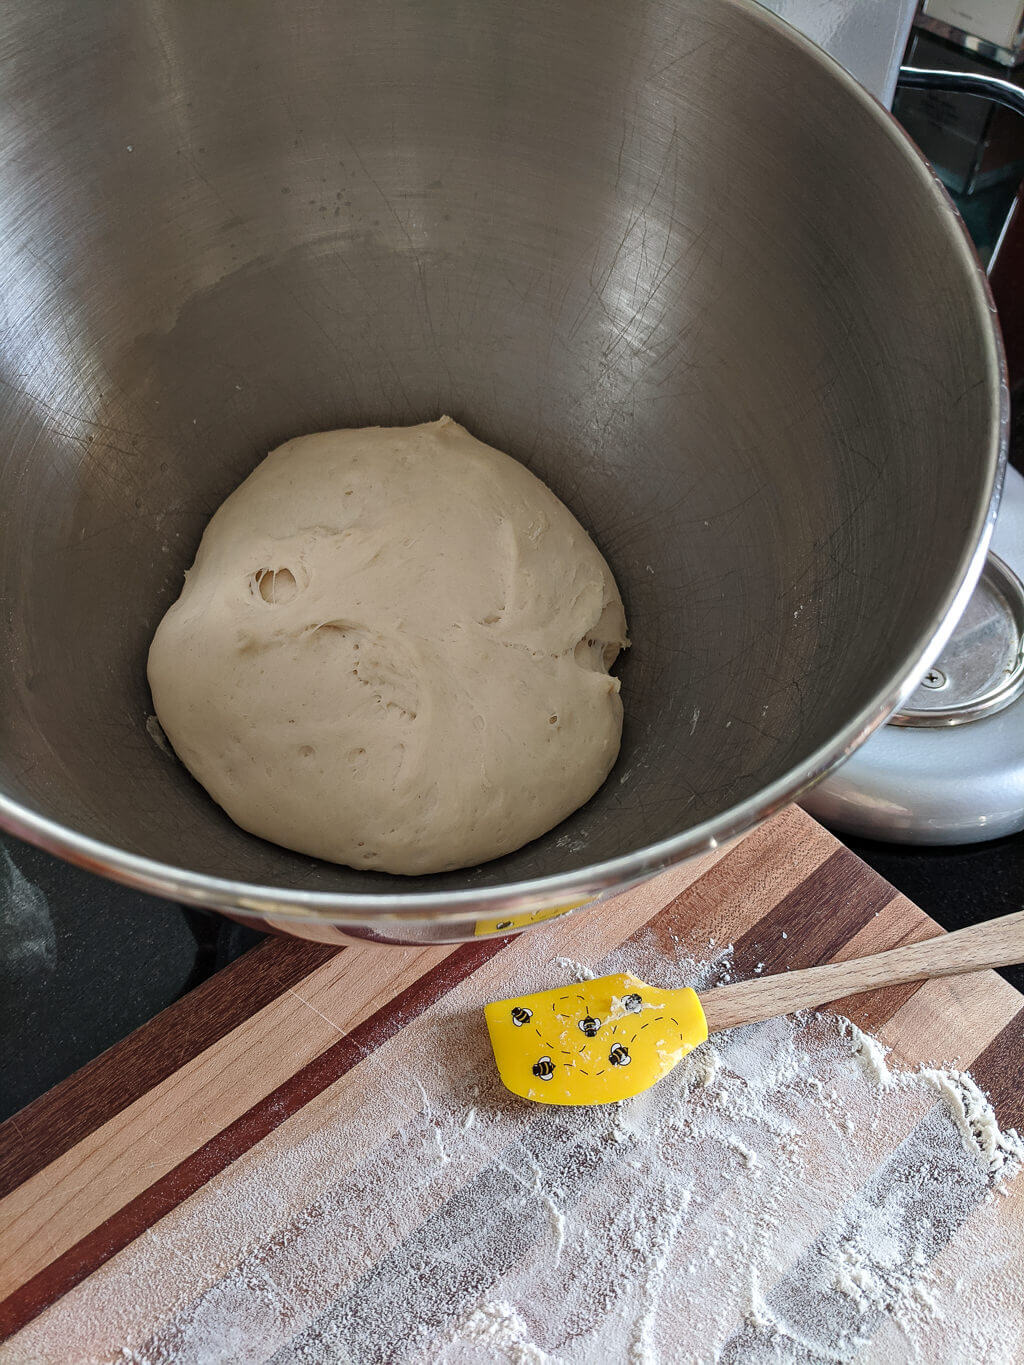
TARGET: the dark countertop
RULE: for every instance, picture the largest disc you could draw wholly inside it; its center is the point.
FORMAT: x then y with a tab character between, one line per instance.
83	962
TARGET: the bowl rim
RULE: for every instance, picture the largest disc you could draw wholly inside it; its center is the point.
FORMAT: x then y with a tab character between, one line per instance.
599	880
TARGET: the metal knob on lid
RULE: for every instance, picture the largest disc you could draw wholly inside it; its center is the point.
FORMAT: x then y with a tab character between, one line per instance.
981	670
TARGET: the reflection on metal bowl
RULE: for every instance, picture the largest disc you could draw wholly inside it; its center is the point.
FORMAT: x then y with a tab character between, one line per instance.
669	255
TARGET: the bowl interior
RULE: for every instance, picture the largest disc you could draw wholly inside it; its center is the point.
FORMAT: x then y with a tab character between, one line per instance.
734	329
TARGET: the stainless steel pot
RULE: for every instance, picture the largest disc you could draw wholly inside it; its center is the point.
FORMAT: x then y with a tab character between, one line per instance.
666	253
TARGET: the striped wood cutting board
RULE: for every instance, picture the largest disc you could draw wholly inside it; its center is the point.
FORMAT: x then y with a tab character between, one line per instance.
140	1154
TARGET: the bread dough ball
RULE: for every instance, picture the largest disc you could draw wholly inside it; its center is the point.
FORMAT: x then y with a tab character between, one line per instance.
392	651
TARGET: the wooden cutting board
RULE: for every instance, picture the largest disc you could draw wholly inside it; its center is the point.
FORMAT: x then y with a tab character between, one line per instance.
148	1148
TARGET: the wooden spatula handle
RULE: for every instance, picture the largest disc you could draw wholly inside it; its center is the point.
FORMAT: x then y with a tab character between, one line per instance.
995	943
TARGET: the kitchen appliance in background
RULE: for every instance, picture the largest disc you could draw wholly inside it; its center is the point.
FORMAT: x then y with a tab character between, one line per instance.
976	146
948	768
867	37
991	28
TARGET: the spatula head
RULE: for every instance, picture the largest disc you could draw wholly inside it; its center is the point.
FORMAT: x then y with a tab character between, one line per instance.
593	1042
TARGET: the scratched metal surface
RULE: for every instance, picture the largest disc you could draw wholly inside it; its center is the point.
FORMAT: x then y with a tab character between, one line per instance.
662	253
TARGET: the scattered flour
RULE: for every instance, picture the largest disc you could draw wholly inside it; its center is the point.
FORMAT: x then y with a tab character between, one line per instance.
156	733
746	1154
572	970
870	1052
784	1195
27	936
499	1328
1000	1153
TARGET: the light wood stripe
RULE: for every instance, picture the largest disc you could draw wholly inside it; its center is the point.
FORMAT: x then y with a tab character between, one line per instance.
993	1245
952	1020
767	866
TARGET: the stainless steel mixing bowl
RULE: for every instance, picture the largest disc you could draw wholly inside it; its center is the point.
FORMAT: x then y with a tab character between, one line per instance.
663	251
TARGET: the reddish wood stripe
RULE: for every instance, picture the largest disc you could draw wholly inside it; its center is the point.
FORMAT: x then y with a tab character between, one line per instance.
234	1141
54	1123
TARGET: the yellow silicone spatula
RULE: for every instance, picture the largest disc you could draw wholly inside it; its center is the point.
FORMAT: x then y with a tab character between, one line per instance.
595	1042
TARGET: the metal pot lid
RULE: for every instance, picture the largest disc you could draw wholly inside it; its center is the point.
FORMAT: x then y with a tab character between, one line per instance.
949	768
981	670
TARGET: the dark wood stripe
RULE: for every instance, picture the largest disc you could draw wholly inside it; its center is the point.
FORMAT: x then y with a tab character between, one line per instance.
121	1228
817	917
54	1123
869	1012
997	1070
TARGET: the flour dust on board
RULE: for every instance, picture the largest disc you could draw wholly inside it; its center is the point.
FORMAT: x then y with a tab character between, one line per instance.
785	1194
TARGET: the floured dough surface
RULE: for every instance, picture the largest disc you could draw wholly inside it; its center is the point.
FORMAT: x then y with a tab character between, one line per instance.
392	651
